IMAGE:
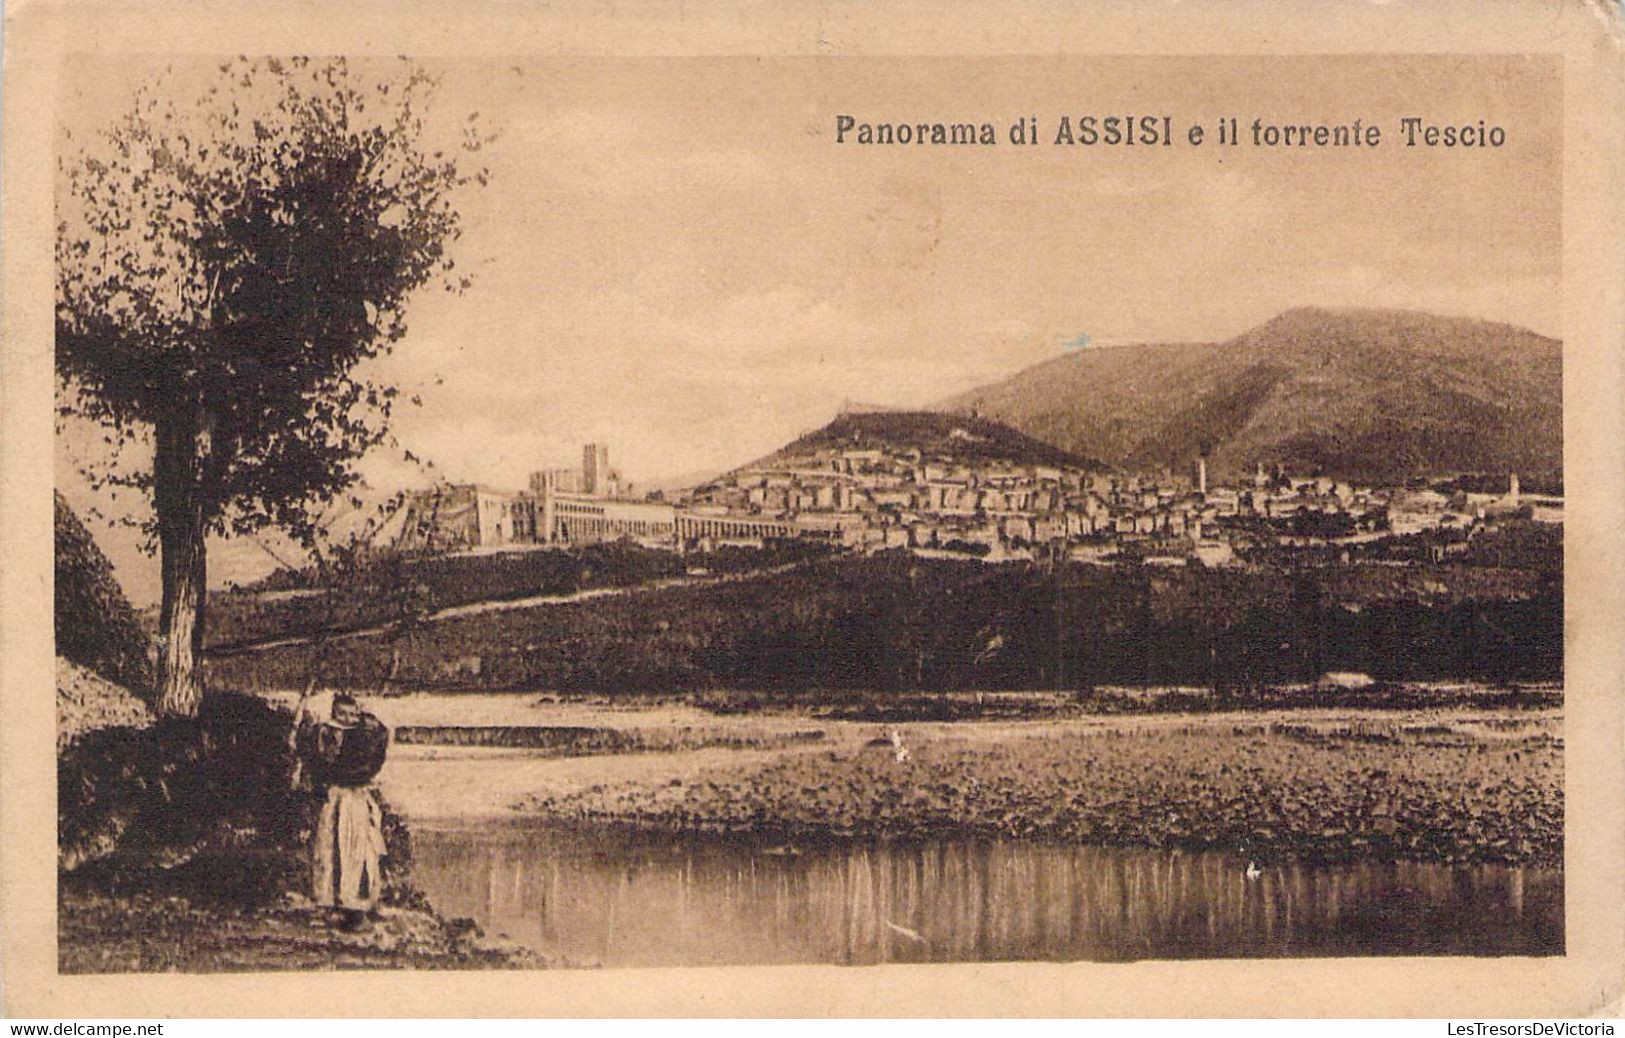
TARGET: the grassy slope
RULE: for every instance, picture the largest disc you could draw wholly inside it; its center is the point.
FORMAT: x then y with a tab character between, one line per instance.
95	624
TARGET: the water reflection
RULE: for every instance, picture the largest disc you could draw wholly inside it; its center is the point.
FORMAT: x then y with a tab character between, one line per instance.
627	900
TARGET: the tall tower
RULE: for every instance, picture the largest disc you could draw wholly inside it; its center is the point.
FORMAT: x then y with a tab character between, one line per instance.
1201	475
550	514
1513	490
595	468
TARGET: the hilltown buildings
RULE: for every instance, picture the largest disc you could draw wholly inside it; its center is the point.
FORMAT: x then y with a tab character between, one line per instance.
872	498
572	506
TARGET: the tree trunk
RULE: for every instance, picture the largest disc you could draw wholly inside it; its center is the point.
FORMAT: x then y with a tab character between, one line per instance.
182	445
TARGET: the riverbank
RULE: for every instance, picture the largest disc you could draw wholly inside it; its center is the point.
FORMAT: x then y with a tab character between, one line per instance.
1450	787
182	847
1333	786
185	920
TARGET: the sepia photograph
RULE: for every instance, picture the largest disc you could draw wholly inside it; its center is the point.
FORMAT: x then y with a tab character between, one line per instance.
781	511
626	512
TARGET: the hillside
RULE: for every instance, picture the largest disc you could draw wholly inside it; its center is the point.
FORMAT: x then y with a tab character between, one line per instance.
95	624
949	437
1374	395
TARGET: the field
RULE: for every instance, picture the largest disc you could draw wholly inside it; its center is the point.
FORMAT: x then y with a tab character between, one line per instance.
895	623
394	590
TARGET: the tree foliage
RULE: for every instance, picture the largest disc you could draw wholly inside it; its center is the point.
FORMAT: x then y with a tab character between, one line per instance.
224	264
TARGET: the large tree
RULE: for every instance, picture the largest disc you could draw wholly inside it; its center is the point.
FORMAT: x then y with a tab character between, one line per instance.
226	258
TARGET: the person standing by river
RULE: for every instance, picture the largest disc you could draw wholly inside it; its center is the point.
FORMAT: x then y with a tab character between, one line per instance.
342	755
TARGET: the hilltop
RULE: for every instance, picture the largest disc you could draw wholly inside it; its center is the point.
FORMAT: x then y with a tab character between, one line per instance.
936	435
1372	395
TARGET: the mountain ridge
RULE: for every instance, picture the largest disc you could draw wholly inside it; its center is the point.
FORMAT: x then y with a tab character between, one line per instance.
1375	394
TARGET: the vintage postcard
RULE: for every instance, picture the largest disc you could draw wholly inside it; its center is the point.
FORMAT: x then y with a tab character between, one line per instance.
907	513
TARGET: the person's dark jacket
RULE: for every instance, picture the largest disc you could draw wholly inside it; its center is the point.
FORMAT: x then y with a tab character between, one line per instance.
344	756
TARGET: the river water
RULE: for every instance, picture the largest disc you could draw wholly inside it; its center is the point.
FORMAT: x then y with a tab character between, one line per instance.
615	898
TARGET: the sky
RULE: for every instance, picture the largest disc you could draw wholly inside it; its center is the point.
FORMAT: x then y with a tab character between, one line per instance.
675	257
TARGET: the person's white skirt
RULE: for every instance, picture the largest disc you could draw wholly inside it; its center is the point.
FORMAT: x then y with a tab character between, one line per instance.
348	843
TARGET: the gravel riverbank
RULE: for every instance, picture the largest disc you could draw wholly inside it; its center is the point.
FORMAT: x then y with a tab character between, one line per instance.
1434	786
240	912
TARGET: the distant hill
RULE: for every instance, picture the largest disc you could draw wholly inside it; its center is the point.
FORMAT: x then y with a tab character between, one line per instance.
1360	394
955	437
